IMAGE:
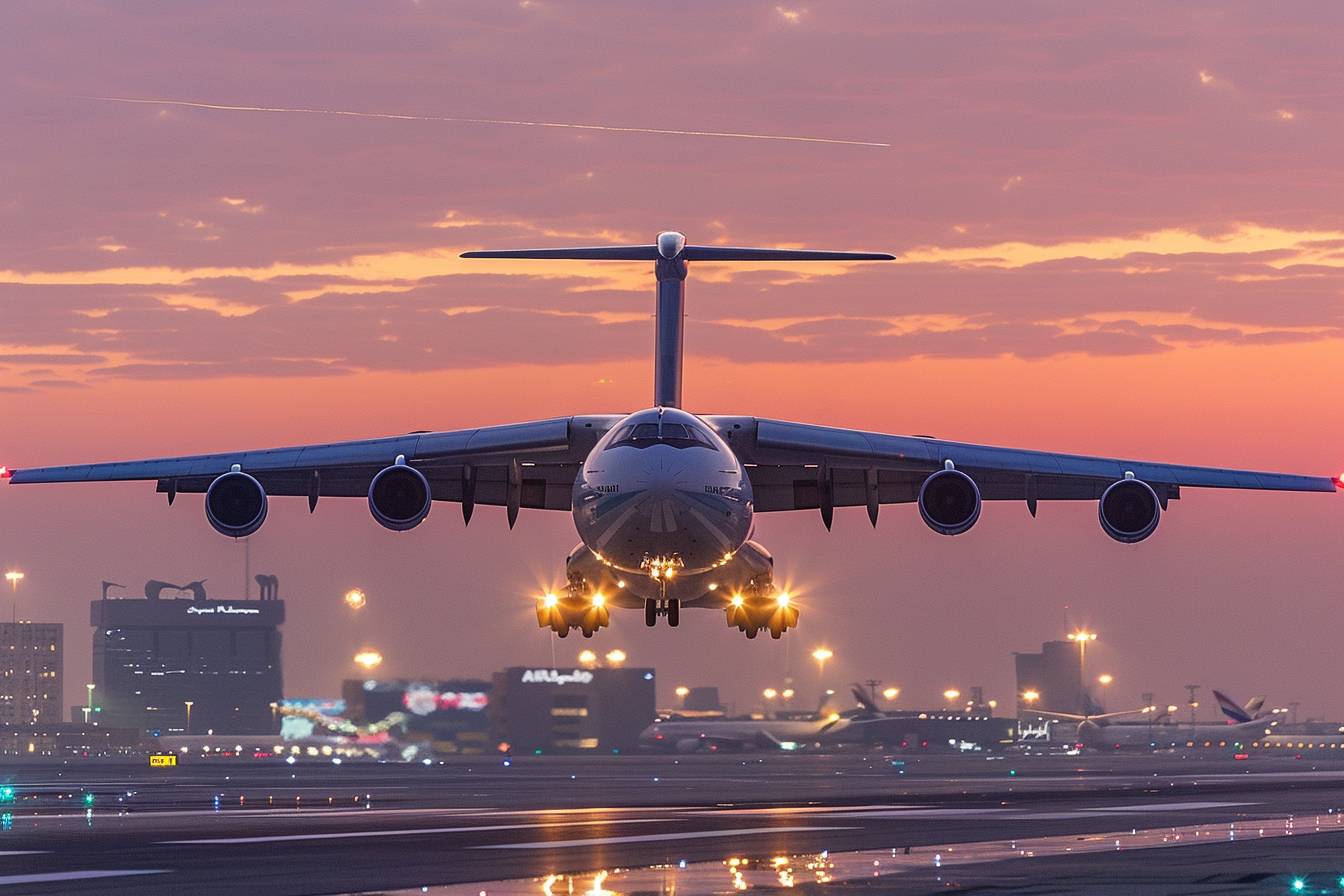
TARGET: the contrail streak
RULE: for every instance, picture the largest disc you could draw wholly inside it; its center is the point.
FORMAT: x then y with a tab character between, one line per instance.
219	107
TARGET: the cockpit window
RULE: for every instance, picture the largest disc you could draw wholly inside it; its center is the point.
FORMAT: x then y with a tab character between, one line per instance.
675	435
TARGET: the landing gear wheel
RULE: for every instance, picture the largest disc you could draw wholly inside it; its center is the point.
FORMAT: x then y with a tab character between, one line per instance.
563	632
751	631
650	613
776	633
673	612
588	633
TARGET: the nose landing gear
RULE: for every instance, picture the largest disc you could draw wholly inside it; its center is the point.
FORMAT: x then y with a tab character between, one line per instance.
669	607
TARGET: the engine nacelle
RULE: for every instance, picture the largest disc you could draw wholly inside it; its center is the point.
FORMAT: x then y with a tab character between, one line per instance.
1129	510
235	504
399	497
949	501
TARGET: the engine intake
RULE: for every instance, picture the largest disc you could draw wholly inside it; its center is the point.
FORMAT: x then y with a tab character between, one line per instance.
235	504
949	501
1129	510
399	497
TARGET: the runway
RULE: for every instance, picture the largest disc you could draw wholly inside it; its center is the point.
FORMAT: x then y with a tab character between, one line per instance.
693	824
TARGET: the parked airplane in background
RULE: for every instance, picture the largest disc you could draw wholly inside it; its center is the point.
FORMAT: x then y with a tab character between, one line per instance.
716	734
664	500
1147	729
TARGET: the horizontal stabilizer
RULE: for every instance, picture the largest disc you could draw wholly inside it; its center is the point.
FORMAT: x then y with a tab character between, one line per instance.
678	249
733	253
581	253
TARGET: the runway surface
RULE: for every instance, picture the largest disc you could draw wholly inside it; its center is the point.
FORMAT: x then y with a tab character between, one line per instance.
691	824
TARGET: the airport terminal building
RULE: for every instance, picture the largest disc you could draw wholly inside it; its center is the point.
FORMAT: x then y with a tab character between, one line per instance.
171	666
567	710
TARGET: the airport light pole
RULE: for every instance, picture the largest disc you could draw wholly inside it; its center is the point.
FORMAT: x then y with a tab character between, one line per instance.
14	577
821	655
88	703
1082	638
1105	680
1192	702
355	599
275	716
681	692
188	704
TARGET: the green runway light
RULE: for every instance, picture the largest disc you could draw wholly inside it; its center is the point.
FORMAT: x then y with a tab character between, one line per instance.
1299	885
88	799
6	794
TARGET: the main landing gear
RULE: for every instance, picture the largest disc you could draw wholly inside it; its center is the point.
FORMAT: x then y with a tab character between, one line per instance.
669	607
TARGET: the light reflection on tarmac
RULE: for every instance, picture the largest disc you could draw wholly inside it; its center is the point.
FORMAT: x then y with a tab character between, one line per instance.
741	872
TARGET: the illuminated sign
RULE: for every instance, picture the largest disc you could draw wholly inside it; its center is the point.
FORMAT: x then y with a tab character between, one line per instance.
222	609
162	760
555	676
424	699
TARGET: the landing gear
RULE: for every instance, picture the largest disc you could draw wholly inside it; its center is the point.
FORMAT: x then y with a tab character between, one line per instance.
762	607
671	608
578	608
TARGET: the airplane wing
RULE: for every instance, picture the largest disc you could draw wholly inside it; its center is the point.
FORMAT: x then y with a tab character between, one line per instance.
516	465
794	466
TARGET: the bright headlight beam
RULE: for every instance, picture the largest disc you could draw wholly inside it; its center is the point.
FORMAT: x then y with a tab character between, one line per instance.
508	122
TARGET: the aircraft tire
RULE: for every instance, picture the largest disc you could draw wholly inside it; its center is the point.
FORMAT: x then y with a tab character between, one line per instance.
650	613
673	612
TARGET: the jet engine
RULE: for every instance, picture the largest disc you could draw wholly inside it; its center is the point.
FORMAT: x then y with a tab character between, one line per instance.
399	497
235	504
1129	510
949	501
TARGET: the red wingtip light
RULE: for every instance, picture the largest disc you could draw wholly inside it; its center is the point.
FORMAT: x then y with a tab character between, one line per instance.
1339	480
6	472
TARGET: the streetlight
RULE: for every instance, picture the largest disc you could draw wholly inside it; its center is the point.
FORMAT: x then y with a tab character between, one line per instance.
587	659
681	693
769	693
787	694
1105	679
1030	696
951	694
14	577
1081	638
275	713
188	704
88	704
821	655
616	658
368	659
355	599
891	693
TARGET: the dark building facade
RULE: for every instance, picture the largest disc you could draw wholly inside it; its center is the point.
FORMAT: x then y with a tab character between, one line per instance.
450	716
31	654
154	656
1056	674
566	710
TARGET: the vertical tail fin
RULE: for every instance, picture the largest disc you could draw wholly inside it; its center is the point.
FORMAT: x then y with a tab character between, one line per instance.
669	253
1234	712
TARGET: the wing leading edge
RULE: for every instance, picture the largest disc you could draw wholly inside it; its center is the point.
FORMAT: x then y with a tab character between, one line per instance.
540	458
794	462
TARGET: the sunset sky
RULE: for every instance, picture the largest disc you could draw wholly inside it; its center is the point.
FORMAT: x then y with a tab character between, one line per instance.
1116	234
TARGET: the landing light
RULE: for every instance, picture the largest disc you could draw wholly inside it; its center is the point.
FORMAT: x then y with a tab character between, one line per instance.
621	583
599	599
549	599
737	600
713	586
783	599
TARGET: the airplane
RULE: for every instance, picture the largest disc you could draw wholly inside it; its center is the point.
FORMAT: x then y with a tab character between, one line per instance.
732	735
1120	730
664	500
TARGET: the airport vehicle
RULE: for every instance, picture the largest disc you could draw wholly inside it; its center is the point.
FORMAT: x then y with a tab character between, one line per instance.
664	500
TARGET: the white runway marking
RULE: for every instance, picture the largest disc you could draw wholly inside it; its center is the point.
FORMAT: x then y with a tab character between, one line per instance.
652	838
406	832
23	852
1165	807
55	876
221	107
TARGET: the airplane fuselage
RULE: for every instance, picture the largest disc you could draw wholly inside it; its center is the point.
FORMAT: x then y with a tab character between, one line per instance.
661	492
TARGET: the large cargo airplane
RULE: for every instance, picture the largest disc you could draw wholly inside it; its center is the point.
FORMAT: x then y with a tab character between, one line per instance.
663	499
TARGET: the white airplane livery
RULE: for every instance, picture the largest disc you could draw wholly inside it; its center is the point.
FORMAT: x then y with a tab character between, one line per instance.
664	500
